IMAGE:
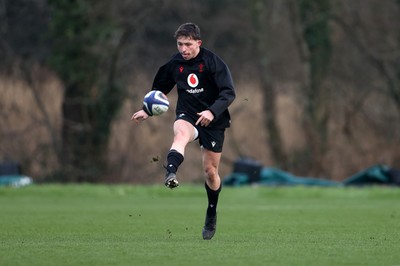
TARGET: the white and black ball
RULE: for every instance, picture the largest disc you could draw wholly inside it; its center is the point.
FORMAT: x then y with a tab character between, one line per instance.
155	103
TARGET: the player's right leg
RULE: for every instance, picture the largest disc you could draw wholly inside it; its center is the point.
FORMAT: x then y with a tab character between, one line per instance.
184	132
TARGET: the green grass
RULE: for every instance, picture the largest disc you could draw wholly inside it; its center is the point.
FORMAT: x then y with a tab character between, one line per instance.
151	225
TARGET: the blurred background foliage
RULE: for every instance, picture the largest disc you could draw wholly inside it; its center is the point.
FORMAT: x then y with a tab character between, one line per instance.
317	83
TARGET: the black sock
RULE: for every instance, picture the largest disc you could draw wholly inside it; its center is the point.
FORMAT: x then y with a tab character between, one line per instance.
174	159
212	200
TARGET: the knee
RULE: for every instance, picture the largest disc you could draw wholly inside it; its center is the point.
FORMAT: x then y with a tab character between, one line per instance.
211	173
212	178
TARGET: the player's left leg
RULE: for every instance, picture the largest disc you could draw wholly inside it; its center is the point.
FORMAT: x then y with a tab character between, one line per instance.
211	162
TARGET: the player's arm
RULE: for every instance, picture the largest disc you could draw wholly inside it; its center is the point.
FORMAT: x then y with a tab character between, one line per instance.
164	82
224	82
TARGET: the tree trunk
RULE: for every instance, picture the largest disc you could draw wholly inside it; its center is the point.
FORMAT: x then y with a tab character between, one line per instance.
315	49
268	90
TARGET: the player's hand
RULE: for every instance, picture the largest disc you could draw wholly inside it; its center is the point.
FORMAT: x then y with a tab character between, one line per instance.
205	118
139	116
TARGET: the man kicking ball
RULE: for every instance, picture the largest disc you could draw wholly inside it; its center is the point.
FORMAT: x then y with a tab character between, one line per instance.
205	91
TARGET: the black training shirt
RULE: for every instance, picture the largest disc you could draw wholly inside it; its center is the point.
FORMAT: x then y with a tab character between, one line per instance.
203	83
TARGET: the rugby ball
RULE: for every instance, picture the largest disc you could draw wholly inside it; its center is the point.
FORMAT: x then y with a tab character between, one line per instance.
155	103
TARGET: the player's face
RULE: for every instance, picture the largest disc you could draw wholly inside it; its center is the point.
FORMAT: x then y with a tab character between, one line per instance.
188	47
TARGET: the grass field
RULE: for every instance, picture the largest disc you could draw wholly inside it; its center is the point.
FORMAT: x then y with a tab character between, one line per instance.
151	225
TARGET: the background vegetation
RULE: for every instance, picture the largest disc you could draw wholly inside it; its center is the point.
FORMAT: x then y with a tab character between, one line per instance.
317	83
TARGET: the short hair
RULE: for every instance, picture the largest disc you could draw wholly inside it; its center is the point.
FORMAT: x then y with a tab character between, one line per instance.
189	29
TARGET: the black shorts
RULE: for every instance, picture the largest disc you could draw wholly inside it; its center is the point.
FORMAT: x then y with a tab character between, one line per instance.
209	138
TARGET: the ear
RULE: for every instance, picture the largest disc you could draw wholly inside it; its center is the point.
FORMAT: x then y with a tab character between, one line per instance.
199	42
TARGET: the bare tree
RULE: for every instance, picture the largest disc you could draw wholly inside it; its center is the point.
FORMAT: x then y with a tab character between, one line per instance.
377	41
371	30
310	21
